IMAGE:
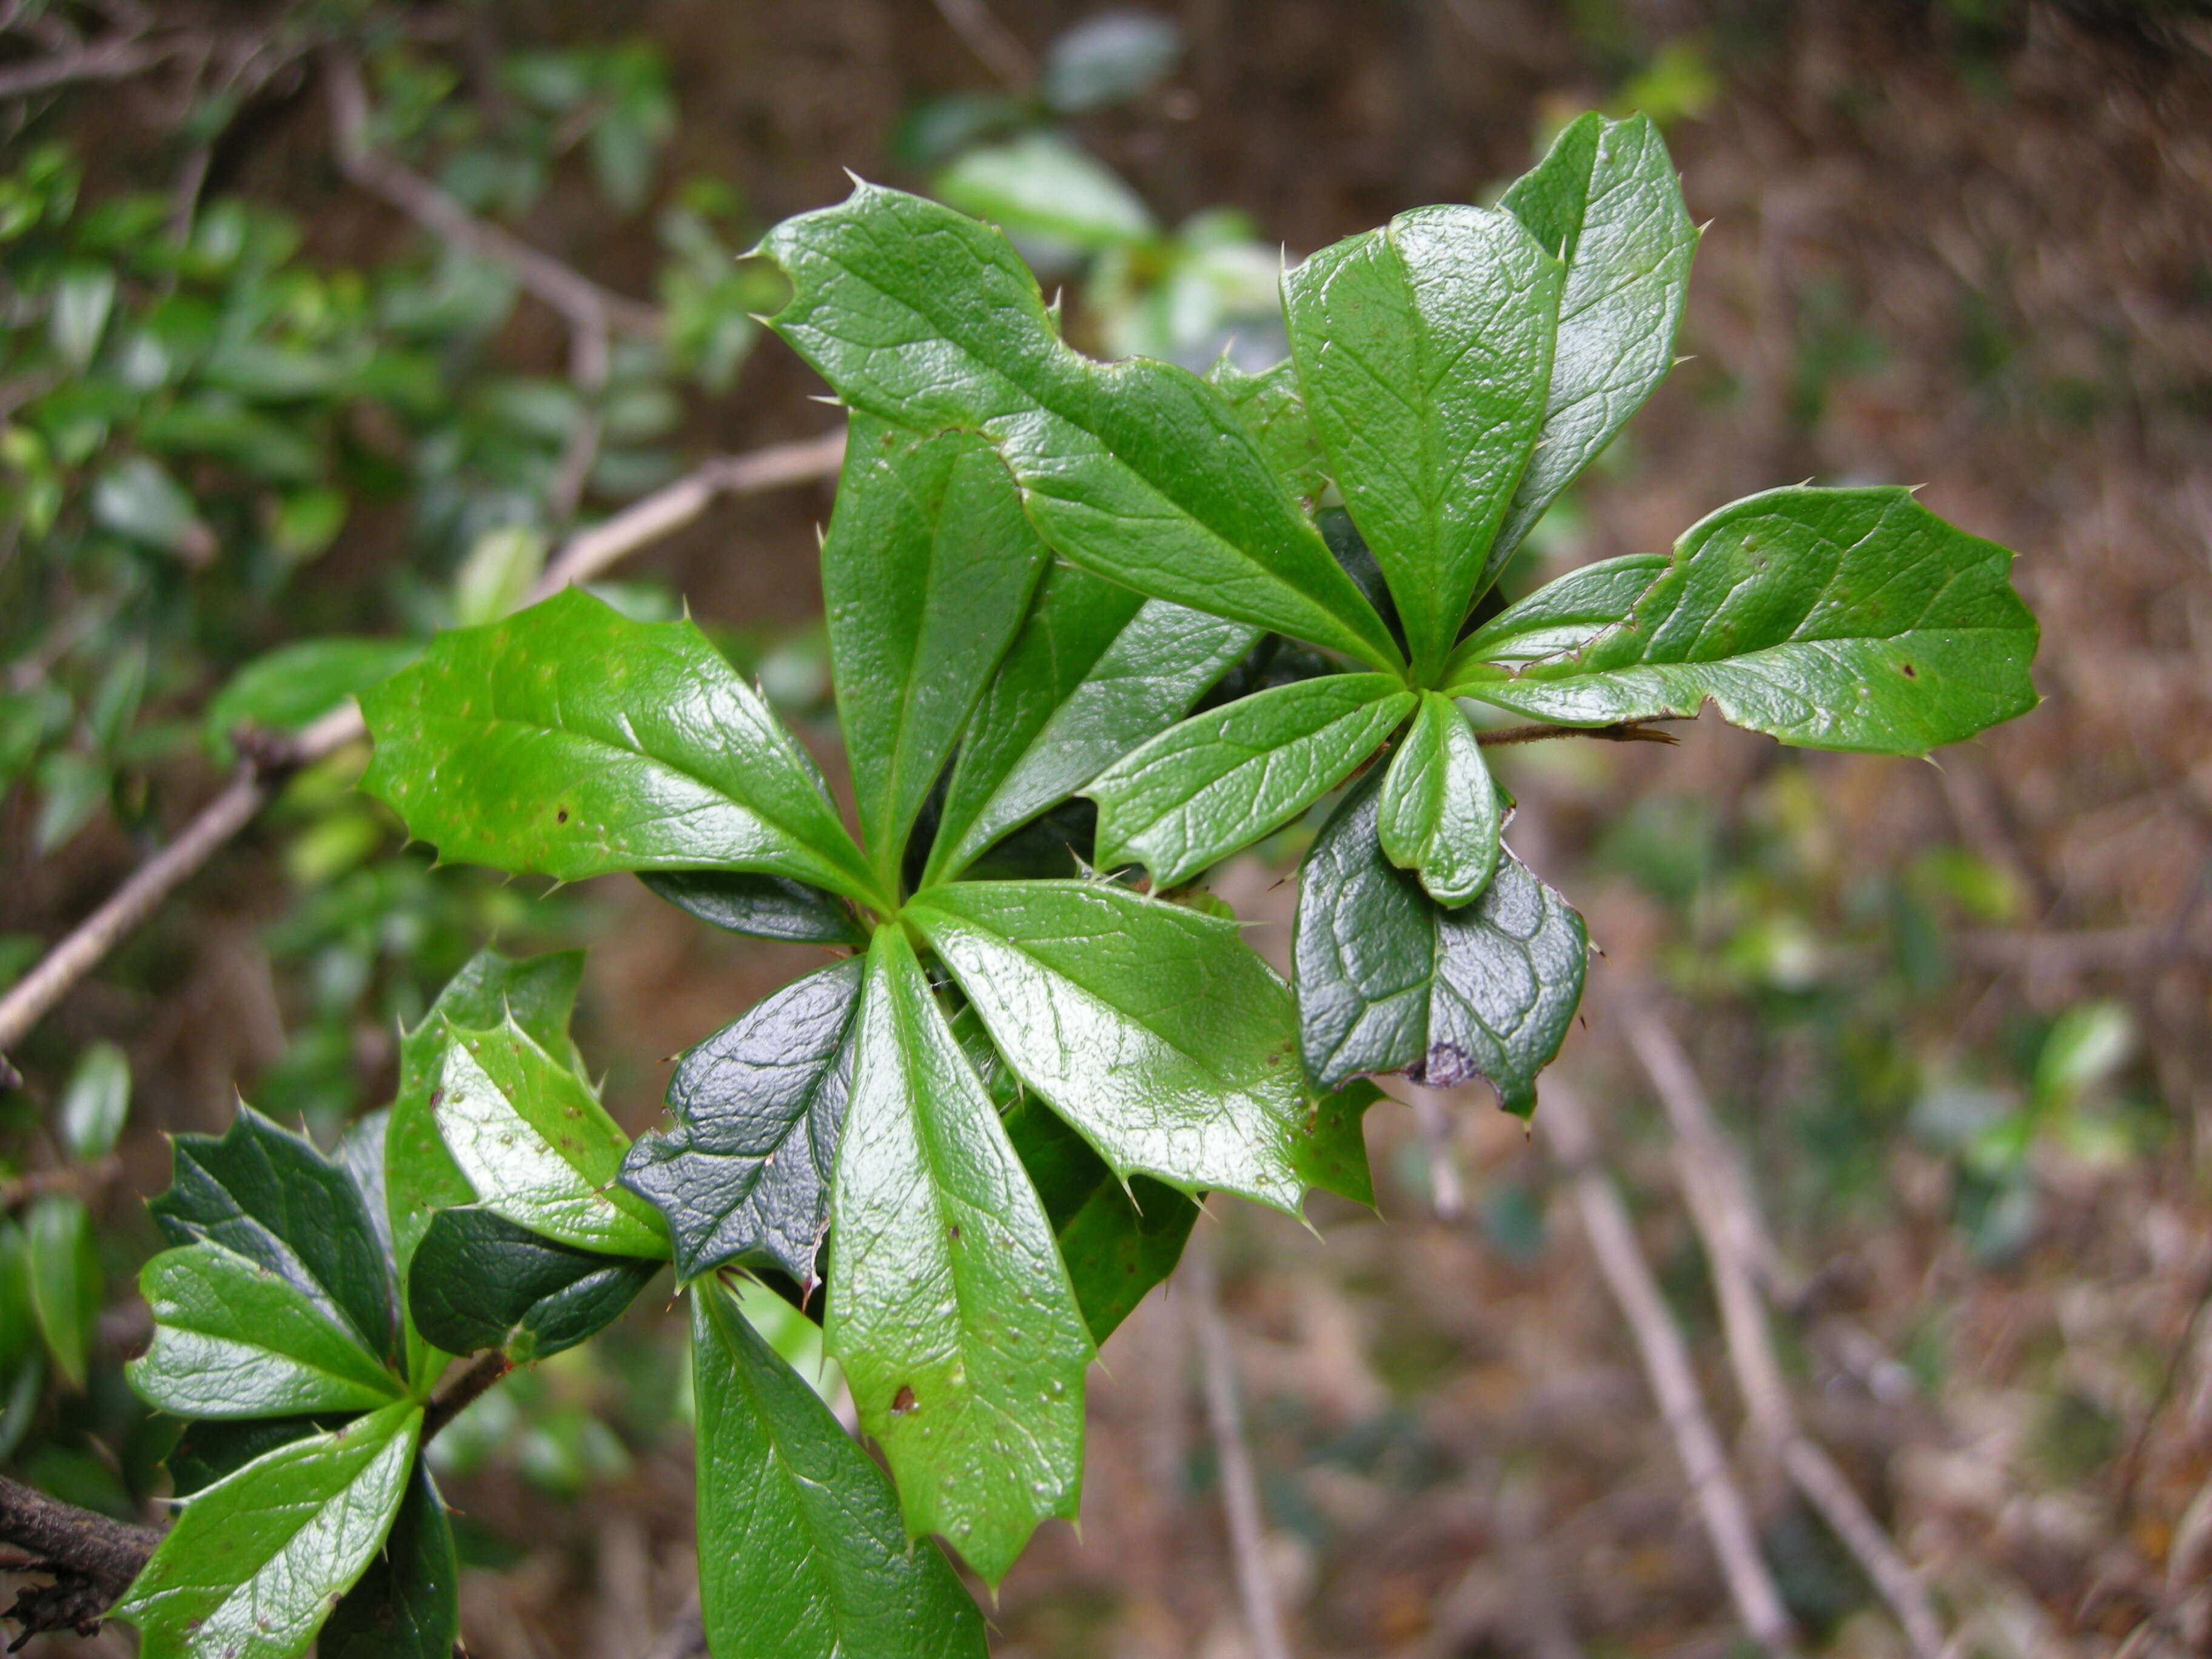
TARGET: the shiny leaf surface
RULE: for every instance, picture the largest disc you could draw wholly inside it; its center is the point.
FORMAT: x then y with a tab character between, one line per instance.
1561	615
801	1552
1223	779
744	1174
1273	411
761	906
407	1604
1439	814
480	1281
960	1335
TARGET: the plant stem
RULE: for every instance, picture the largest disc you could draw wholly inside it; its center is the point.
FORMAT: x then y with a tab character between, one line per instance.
1619	731
464	1391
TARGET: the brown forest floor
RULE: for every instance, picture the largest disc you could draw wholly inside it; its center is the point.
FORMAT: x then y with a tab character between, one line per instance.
1978	258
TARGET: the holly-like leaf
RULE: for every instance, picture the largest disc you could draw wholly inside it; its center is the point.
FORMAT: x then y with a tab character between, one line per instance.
1274	412
926	572
1167	1044
481	1281
1440	813
407	1604
761	906
233	1339
1223	779
537	1147
1117	1241
1097	668
1390	981
62	1260
744	1174
801	1553
270	1196
1833	618
1607	201
960	1335
1137	470
256	1562
1424	349
1332	1143
571	741
420	1175
1561	615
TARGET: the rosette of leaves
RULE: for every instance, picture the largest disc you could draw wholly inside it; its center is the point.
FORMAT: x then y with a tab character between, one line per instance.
1451	373
984	1122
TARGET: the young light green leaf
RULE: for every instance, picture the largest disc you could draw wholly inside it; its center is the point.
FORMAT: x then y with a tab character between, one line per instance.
537	1145
1095	669
763	906
1561	615
1424	349
1167	1045
64	1258
926	572
407	1604
96	1101
1389	981
1117	1241
959	1334
271	1197
1221	779
1040	187
1274	412
801	1553
255	1563
1440	814
232	1339
570	741
1137	470
480	1281
1607	201
1833	618
744	1174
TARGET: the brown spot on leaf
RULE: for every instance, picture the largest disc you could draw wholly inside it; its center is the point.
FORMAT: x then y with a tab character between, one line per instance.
902	1402
561	816
1910	672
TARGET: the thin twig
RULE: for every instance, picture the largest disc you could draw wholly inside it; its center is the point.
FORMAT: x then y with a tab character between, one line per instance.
1666	1358
464	1391
583	557
990	40
1728	1223
111	60
1619	731
1240	1492
75	1180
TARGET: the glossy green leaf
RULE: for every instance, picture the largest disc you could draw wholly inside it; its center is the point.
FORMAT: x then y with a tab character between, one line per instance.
1273	411
407	1604
1561	615
1097	668
268	1195
1223	779
1137	470
744	1174
233	1338
213	1449
481	1281
255	1563
1117	1241
96	1101
1607	201
801	1552
926	572
420	1175
1040	186
571	741
1389	981
537	1145
1424	349
1439	812
1167	1044
1833	618
286	688
64	1259
763	906
1332	1144
960	1335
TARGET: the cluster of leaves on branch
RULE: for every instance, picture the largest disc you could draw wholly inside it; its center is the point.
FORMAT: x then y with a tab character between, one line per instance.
981	1131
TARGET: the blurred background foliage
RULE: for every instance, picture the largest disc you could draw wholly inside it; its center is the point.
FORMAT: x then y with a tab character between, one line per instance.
260	433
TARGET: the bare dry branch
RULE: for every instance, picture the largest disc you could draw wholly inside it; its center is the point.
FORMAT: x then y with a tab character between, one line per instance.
583	557
991	41
1666	1358
1240	1492
109	60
